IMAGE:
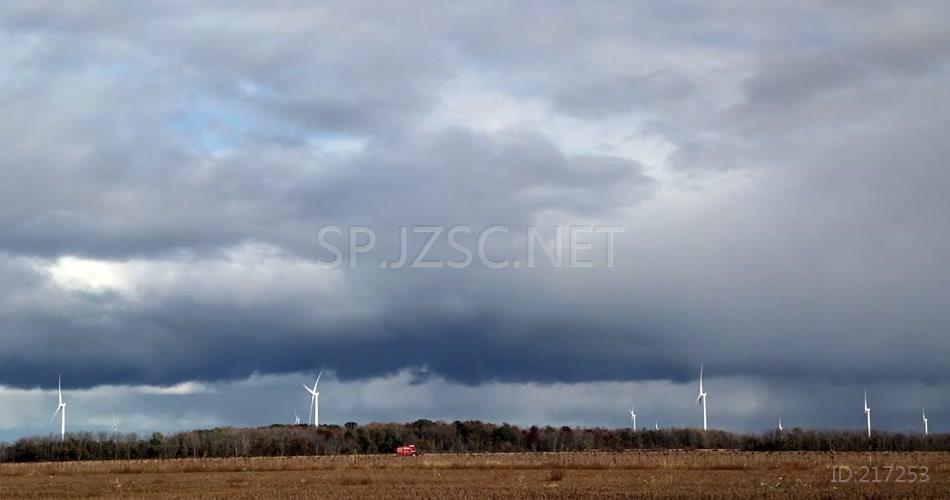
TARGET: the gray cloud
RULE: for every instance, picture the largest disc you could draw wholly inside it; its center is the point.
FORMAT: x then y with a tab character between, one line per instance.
779	173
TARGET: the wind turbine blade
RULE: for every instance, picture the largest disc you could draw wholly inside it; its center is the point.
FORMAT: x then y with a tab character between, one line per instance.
311	391
60	389
318	380
701	378
54	414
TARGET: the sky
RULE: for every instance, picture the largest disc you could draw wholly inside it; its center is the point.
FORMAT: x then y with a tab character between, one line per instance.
775	176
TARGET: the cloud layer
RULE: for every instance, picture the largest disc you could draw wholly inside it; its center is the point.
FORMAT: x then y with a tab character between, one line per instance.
779	173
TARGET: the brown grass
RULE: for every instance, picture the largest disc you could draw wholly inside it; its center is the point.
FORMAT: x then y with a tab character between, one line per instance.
657	474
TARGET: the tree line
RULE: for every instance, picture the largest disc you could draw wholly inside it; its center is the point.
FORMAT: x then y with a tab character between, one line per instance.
439	437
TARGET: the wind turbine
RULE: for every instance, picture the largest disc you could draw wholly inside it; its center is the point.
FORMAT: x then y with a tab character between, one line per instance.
296	418
656	425
115	426
923	414
867	411
314	401
780	429
62	410
633	416
702	395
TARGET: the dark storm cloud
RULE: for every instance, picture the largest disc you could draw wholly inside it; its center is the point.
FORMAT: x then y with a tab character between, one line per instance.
178	201
791	224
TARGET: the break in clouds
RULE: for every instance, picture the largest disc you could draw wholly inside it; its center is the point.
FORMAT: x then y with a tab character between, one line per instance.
779	174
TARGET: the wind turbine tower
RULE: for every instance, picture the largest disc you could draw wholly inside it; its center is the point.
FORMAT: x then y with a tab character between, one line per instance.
867	411
780	429
702	395
633	416
923	414
296	418
314	401
61	409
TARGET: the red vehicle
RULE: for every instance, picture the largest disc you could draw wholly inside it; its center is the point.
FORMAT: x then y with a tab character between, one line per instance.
406	451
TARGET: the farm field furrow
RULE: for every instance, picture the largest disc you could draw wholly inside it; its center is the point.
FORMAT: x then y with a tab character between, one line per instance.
661	474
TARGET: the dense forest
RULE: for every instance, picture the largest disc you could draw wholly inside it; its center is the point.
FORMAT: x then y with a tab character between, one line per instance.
439	437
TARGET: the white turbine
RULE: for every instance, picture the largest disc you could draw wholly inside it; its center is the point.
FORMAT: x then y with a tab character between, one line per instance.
656	425
780	429
633	416
923	414
867	410
314	402
61	409
702	395
296	418
115	426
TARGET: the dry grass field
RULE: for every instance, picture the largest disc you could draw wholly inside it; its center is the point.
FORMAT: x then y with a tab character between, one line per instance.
660	474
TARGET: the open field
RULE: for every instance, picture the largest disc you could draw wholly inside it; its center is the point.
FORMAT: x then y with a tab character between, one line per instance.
652	473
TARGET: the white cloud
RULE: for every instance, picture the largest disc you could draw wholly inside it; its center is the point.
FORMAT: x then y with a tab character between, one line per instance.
238	275
72	273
